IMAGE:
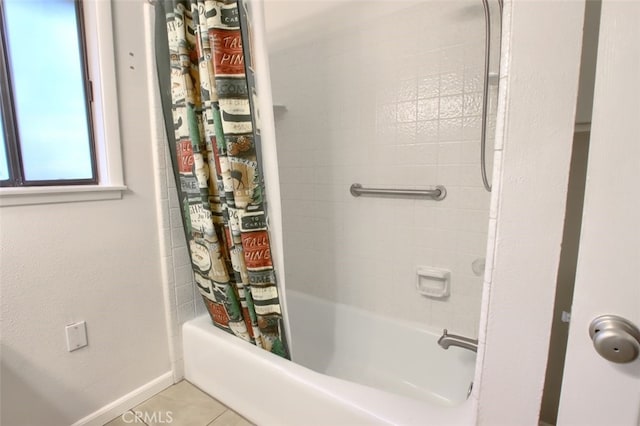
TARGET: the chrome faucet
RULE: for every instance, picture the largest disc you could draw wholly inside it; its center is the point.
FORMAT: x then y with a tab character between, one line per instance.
447	340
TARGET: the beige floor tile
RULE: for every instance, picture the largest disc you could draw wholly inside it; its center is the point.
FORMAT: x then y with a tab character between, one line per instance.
185	390
230	418
125	420
181	404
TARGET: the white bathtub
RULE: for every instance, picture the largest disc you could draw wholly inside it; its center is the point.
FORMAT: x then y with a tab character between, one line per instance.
368	370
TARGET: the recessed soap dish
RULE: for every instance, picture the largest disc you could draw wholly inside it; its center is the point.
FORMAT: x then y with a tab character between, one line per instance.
433	282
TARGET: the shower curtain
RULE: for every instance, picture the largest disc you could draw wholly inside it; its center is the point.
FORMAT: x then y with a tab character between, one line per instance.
208	93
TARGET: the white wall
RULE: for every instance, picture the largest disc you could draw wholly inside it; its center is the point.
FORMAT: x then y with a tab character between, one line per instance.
384	95
538	92
92	261
573	217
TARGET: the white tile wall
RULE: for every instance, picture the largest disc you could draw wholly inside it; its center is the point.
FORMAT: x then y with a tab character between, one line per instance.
394	101
184	301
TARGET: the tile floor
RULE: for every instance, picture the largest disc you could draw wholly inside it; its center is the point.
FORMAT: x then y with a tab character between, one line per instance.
182	404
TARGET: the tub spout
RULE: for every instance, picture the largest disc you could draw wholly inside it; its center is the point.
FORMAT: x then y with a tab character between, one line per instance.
447	340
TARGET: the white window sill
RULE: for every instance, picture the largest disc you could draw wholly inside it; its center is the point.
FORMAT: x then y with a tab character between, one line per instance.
58	194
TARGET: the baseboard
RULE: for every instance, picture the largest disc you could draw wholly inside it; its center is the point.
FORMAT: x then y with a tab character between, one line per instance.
127	402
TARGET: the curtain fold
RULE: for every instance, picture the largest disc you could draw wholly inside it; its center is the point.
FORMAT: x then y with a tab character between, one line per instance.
215	143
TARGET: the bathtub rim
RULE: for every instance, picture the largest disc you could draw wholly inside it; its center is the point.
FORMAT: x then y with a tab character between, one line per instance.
467	360
352	402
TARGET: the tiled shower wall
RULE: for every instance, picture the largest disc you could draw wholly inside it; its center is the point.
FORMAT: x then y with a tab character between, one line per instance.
389	101
185	302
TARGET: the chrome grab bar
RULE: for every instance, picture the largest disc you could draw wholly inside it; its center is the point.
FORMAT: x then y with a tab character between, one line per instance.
438	193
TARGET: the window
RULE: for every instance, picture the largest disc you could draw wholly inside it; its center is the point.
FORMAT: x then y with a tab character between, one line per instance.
47	132
59	128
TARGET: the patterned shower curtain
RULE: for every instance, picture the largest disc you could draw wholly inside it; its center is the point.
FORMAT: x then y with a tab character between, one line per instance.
216	154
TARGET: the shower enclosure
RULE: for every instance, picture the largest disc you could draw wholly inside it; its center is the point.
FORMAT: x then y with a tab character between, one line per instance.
383	112
387	95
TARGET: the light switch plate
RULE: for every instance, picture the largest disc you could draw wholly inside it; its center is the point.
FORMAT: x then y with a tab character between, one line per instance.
76	336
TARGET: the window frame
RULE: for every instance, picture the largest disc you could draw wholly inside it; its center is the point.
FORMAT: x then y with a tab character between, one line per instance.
100	70
7	113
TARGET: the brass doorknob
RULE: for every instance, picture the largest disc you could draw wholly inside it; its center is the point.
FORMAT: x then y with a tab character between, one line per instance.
615	339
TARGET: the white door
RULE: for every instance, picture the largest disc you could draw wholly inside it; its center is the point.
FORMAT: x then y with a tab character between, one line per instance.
596	391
